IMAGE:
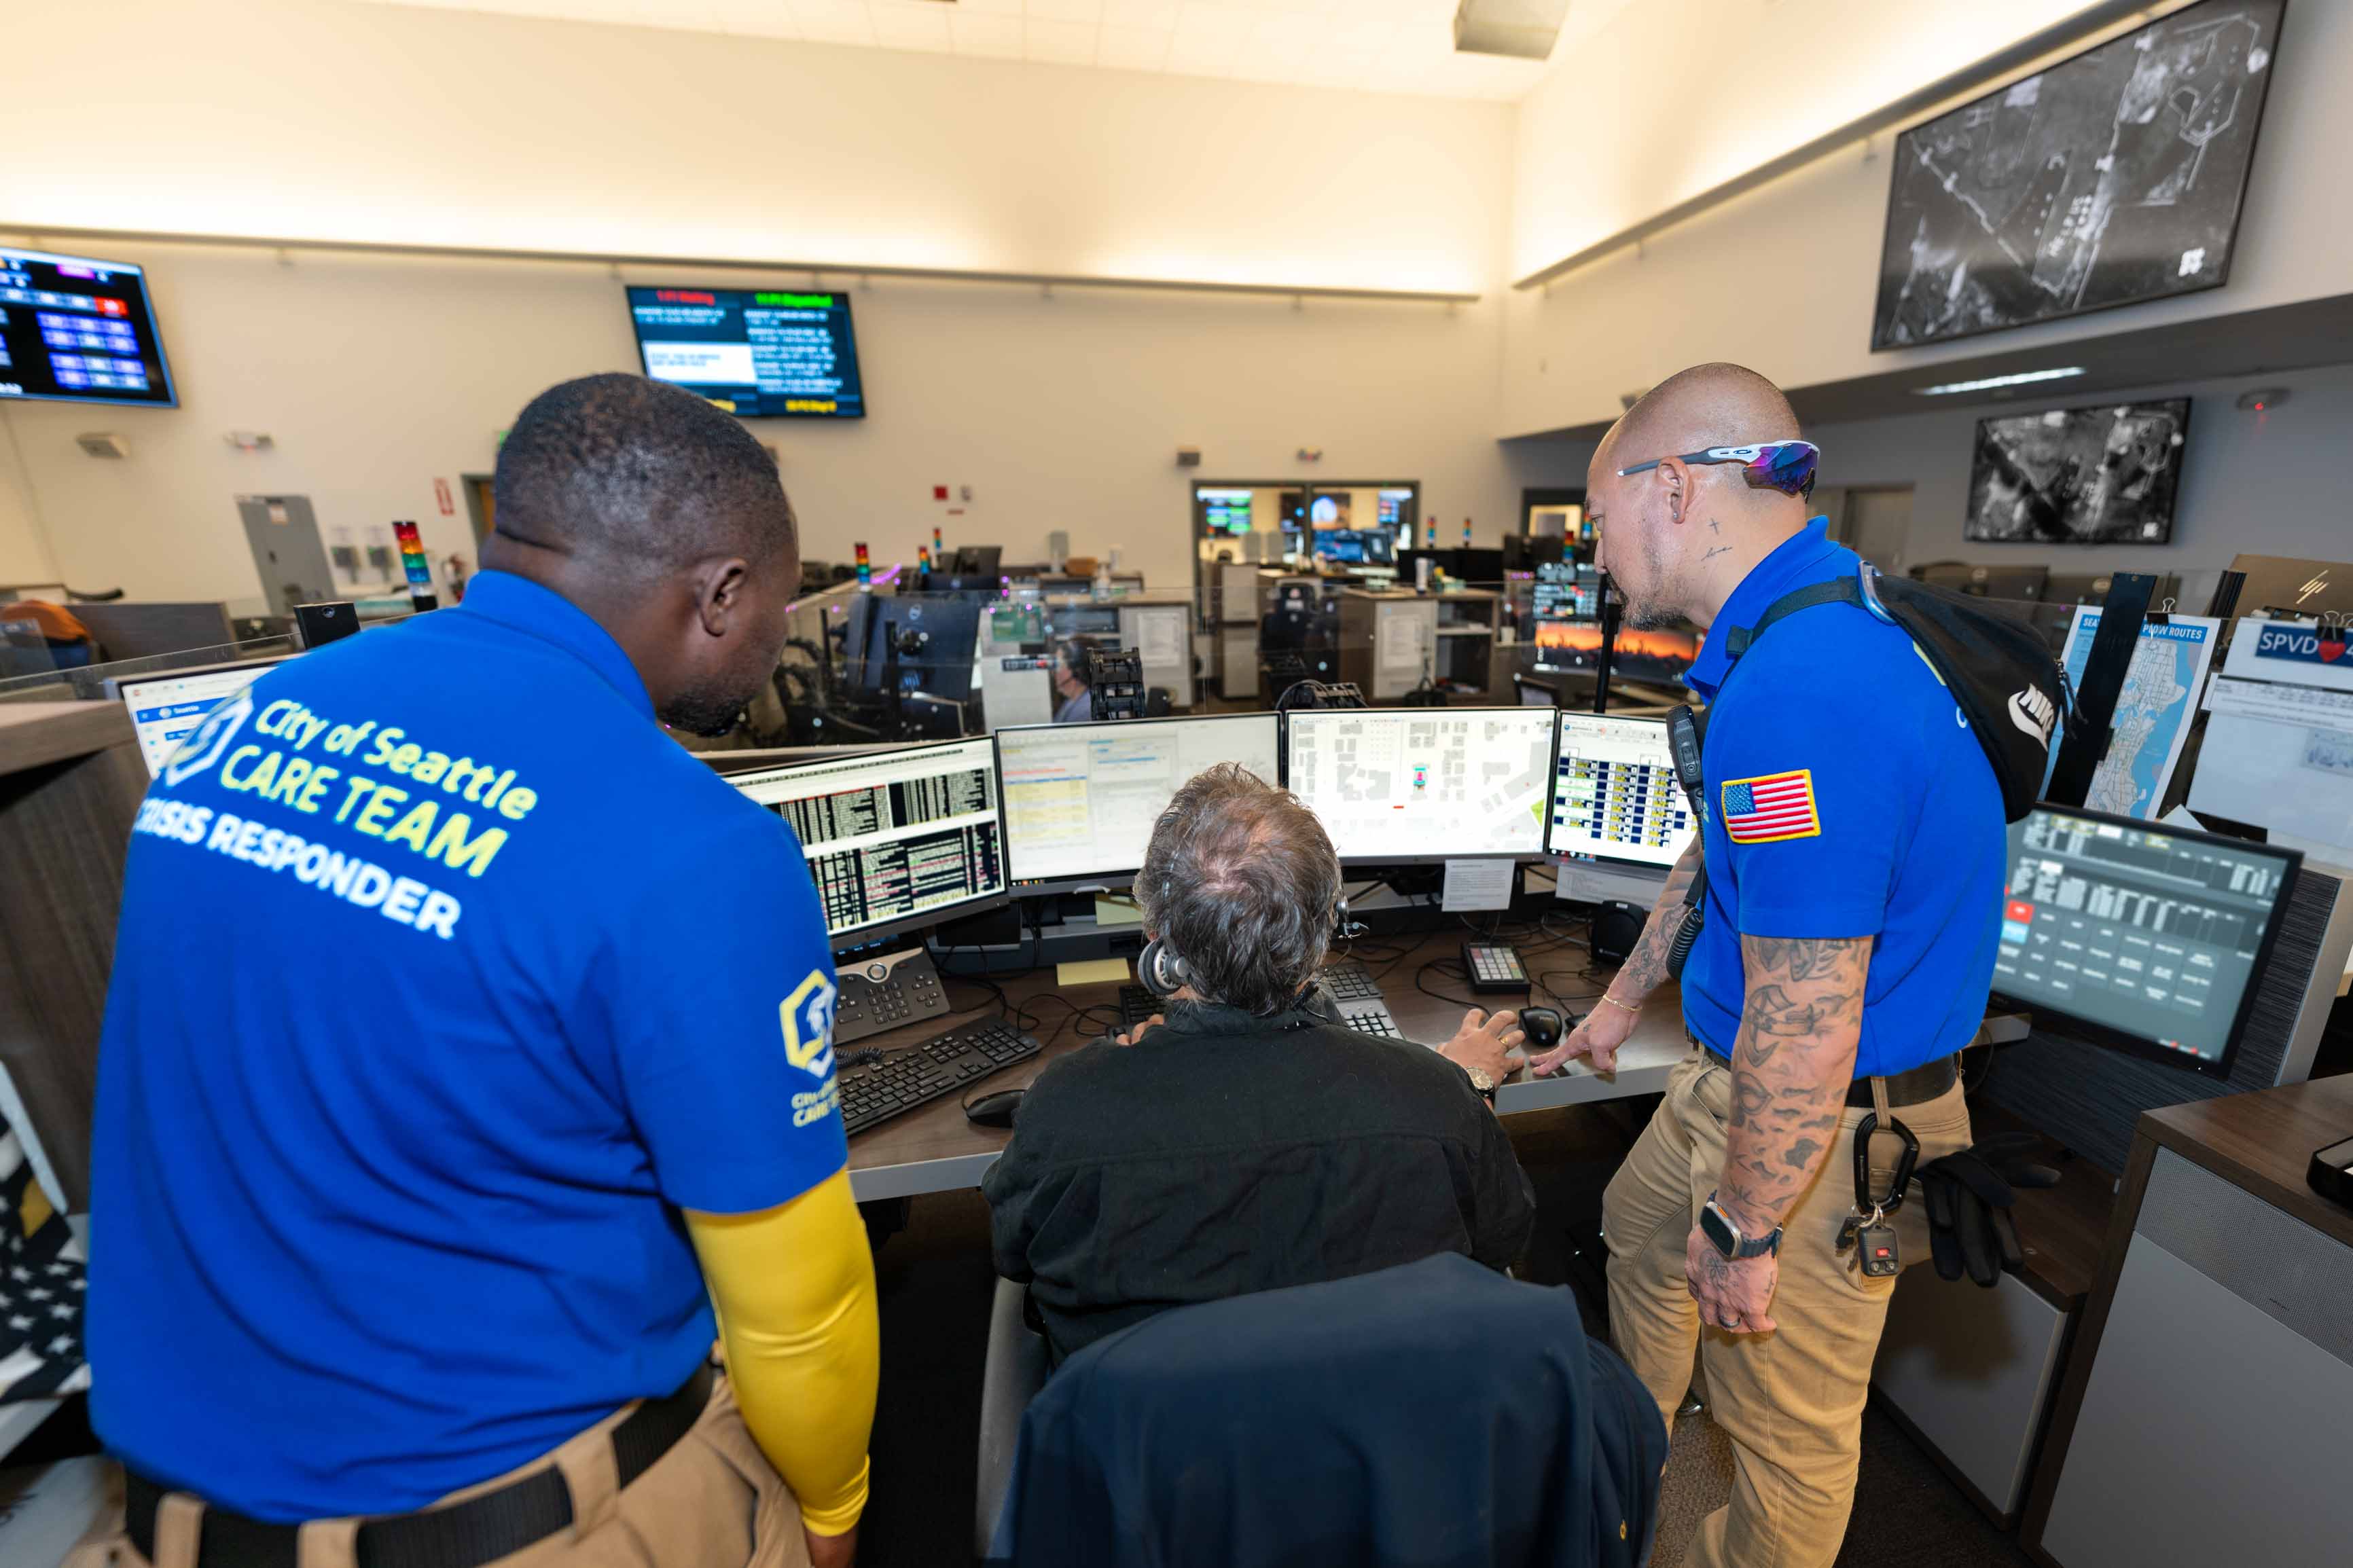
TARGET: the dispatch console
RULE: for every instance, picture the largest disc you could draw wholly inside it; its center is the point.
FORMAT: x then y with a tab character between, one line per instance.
1402	784
1614	792
2142	937
894	839
1081	800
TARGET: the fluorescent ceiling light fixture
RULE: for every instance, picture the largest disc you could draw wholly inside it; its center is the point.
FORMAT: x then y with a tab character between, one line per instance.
2019	378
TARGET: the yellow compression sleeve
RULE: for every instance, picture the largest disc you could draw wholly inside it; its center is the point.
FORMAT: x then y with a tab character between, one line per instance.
794	1289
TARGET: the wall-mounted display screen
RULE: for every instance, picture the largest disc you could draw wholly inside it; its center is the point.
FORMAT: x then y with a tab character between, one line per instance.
1656	657
2109	179
2079	475
76	330
1224	512
758	354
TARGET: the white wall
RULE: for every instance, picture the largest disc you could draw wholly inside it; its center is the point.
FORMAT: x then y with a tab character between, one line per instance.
23	554
2268	484
1672	97
321	118
375	375
1783	277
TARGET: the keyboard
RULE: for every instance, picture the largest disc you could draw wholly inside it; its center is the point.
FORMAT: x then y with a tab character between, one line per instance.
883	993
1136	1004
945	1064
1493	966
1350	980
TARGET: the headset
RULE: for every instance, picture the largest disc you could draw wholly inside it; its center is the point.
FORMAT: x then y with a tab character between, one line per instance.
1164	973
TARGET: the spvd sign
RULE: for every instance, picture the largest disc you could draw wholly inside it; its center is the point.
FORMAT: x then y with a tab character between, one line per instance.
2305	645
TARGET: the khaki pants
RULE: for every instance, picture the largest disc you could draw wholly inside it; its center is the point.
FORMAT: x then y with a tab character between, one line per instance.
712	1501
1790	1400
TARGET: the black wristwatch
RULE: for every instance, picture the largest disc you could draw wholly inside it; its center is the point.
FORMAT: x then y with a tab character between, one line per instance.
1727	1237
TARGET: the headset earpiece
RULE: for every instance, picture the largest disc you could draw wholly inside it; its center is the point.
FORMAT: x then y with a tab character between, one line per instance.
1162	972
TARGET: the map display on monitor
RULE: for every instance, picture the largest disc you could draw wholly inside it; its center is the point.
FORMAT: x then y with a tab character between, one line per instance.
2078	476
2153	711
2111	178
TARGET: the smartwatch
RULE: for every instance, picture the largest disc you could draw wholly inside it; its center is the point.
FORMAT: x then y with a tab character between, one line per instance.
1727	1237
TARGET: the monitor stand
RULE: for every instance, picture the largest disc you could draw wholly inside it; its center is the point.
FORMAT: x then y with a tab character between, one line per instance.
883	991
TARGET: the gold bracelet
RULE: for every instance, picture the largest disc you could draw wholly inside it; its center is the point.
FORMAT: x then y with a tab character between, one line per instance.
1620	1006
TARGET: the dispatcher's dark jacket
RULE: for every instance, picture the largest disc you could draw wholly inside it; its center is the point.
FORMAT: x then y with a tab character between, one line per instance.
1224	1153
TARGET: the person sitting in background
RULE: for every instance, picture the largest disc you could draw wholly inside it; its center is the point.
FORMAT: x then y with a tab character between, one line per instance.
1074	684
1249	1141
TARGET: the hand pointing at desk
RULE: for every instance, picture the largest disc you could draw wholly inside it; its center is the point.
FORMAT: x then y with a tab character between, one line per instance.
1596	1037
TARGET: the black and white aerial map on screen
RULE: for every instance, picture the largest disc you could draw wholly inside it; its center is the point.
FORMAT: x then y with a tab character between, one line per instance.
2105	475
2110	178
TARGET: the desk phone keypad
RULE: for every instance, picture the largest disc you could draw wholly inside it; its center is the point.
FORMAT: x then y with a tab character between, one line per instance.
944	1064
885	992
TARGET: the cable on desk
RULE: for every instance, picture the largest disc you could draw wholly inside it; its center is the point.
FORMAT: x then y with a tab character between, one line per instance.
1449	968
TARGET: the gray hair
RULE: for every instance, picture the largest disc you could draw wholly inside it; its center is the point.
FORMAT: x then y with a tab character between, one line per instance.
1241	882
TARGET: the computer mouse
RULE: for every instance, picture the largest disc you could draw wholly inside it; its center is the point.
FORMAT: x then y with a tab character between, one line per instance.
994	1109
1543	1027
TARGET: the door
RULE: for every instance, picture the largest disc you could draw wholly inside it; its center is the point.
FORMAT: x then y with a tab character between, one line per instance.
1877	524
287	552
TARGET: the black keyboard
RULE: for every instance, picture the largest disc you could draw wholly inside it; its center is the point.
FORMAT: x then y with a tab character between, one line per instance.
945	1064
1371	1020
1350	980
1136	1005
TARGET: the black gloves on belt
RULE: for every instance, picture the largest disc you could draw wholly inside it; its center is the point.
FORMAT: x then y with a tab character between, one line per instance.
1969	1197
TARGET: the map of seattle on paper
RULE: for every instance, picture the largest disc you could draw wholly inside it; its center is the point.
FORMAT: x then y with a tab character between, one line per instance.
2153	711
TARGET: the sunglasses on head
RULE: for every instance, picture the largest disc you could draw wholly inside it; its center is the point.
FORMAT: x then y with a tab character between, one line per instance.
1785	466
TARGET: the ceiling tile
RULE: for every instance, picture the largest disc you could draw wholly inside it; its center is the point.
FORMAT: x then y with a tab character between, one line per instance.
911	25
759	18
1161	14
1059	43
835	21
1062	10
1133	48
980	33
988	7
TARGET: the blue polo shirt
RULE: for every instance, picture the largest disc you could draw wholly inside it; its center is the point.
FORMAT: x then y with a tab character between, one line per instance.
445	979
1846	796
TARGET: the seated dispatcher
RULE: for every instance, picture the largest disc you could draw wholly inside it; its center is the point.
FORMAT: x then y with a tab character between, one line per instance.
1251	1140
1074	684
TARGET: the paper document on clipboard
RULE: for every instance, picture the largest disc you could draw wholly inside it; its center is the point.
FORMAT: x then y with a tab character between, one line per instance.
2153	710
2279	737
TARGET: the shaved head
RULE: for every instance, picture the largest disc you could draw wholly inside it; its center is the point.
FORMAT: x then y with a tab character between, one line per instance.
1706	405
1677	538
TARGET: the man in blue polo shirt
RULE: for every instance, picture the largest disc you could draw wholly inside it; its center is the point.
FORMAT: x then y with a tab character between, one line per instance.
467	1038
1854	843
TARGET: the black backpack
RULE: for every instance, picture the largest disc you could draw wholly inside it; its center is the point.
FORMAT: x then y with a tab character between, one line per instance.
2008	686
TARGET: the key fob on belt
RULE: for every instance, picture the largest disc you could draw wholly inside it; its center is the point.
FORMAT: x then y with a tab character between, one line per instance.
1876	1244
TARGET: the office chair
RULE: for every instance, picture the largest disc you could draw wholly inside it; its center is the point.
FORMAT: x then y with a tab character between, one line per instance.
1015	1371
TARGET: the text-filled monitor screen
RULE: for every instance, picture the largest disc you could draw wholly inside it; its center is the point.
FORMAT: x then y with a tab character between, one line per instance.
893	838
1614	794
2151	937
164	708
1081	800
760	353
1423	784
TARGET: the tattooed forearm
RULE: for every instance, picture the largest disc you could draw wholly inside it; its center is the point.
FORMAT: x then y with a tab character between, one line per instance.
1645	968
1791	1063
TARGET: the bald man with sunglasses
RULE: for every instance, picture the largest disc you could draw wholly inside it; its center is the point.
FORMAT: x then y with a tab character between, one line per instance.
1850	862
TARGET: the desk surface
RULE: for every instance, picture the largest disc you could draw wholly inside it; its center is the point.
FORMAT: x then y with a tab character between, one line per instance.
2264	1141
935	1149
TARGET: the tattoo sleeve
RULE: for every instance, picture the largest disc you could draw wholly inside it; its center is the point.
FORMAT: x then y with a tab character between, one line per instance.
1791	1063
1646	967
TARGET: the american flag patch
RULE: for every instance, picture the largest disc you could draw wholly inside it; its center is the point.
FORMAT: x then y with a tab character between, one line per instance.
1772	806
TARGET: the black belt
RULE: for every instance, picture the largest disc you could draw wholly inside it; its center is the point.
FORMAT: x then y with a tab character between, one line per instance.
1924	1082
462	1535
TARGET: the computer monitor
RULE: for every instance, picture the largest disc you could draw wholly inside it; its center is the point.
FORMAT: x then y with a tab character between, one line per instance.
2140	937
977	560
1614	793
1657	658
165	707
894	839
936	635
1565	591
1396	786
1081	800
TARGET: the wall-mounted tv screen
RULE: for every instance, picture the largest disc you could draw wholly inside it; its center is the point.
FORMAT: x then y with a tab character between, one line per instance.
759	354
76	330
2109	179
2078	476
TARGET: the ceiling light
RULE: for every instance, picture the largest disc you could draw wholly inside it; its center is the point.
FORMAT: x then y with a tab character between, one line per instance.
1524	29
2018	379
